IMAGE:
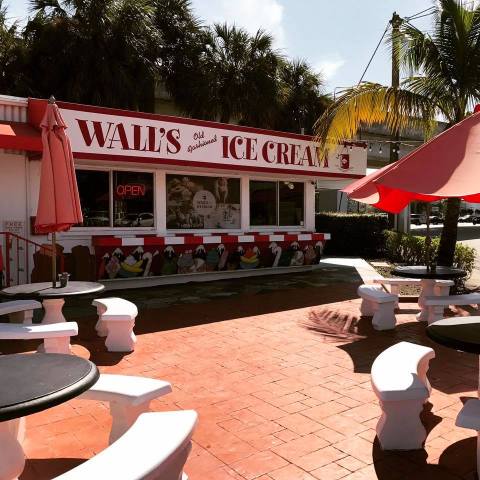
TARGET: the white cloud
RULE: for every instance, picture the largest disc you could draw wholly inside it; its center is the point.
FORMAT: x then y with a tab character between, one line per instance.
249	14
329	68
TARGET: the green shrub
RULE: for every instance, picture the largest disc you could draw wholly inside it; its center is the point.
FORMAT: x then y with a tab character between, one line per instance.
353	234
410	249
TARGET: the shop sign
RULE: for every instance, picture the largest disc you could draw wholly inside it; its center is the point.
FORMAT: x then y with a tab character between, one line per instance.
16	227
102	133
130	190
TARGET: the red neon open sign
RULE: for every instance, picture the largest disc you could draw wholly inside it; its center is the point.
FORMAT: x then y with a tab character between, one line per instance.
131	190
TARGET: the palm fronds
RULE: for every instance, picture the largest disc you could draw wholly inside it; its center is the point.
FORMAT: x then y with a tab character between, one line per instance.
369	104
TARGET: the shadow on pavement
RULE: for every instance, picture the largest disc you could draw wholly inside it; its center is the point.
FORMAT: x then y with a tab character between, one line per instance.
52	467
450	371
457	461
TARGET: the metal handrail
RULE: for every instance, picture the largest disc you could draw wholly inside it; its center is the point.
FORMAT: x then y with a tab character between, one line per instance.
12	241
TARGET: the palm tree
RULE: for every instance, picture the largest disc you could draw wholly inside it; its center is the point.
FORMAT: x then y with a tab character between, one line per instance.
443	82
12	56
182	48
241	72
93	51
301	99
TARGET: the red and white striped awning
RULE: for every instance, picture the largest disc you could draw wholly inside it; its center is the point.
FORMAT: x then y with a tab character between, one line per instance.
194	239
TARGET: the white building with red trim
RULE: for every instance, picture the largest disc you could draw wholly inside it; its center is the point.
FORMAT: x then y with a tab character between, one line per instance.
165	198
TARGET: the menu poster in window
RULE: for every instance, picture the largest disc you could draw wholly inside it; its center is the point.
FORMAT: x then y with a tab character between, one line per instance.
196	202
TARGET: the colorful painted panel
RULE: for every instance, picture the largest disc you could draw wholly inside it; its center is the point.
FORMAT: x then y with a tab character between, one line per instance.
150	260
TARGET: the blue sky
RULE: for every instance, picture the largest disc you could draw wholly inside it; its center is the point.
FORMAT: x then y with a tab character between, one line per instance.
336	37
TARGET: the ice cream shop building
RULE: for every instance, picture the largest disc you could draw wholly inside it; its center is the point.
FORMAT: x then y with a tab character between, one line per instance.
166	199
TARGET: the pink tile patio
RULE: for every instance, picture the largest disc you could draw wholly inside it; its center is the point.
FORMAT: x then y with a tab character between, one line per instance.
284	395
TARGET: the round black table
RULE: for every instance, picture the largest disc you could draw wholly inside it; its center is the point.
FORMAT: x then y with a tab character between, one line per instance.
52	298
459	333
31	383
428	277
421	271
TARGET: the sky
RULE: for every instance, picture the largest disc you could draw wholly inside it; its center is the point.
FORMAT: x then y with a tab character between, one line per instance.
336	37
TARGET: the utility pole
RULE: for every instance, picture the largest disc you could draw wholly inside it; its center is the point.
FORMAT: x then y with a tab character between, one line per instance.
399	222
396	21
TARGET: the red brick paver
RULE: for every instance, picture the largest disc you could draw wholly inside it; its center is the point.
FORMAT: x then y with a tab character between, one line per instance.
281	396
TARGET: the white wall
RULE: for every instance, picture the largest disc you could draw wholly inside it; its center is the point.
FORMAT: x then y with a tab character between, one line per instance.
13	203
13	188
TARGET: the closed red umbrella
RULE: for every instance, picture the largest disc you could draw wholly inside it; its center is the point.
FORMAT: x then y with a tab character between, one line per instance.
58	202
446	166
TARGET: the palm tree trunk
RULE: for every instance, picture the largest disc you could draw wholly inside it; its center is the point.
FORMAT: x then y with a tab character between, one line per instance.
448	240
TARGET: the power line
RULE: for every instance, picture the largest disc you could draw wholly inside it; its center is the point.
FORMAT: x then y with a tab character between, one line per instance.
431	10
415	16
374	52
420	16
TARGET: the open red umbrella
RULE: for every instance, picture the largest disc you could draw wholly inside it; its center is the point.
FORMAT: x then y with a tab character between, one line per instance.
446	166
58	202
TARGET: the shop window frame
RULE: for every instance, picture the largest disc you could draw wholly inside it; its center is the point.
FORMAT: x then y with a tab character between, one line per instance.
277	226
111	226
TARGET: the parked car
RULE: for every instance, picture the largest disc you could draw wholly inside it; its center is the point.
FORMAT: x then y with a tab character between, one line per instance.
475	219
98	218
466	218
436	219
145	220
418	218
129	220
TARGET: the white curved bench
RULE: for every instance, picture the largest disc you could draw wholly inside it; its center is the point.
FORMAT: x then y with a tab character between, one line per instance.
56	336
19	311
116	319
156	446
379	304
399	380
436	305
129	396
469	417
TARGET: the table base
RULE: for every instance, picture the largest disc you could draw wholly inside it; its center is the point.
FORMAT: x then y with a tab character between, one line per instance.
53	310
12	456
427	290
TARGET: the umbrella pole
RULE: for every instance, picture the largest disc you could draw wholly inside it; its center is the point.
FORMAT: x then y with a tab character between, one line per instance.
54	260
428	239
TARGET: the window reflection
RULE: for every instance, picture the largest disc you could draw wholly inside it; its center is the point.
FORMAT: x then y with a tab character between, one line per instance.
291	203
94	190
263	203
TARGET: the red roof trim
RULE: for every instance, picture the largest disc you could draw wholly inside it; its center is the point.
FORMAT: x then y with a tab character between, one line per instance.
20	136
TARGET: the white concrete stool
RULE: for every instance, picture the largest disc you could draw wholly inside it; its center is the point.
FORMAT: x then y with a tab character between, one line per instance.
156	446
399	379
116	319
129	396
379	304
56	336
19	311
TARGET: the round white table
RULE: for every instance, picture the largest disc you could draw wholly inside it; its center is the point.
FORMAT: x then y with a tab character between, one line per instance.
52	298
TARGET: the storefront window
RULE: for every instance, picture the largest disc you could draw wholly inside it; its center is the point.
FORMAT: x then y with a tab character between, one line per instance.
130	204
94	190
276	203
263	203
198	202
133	199
290	209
